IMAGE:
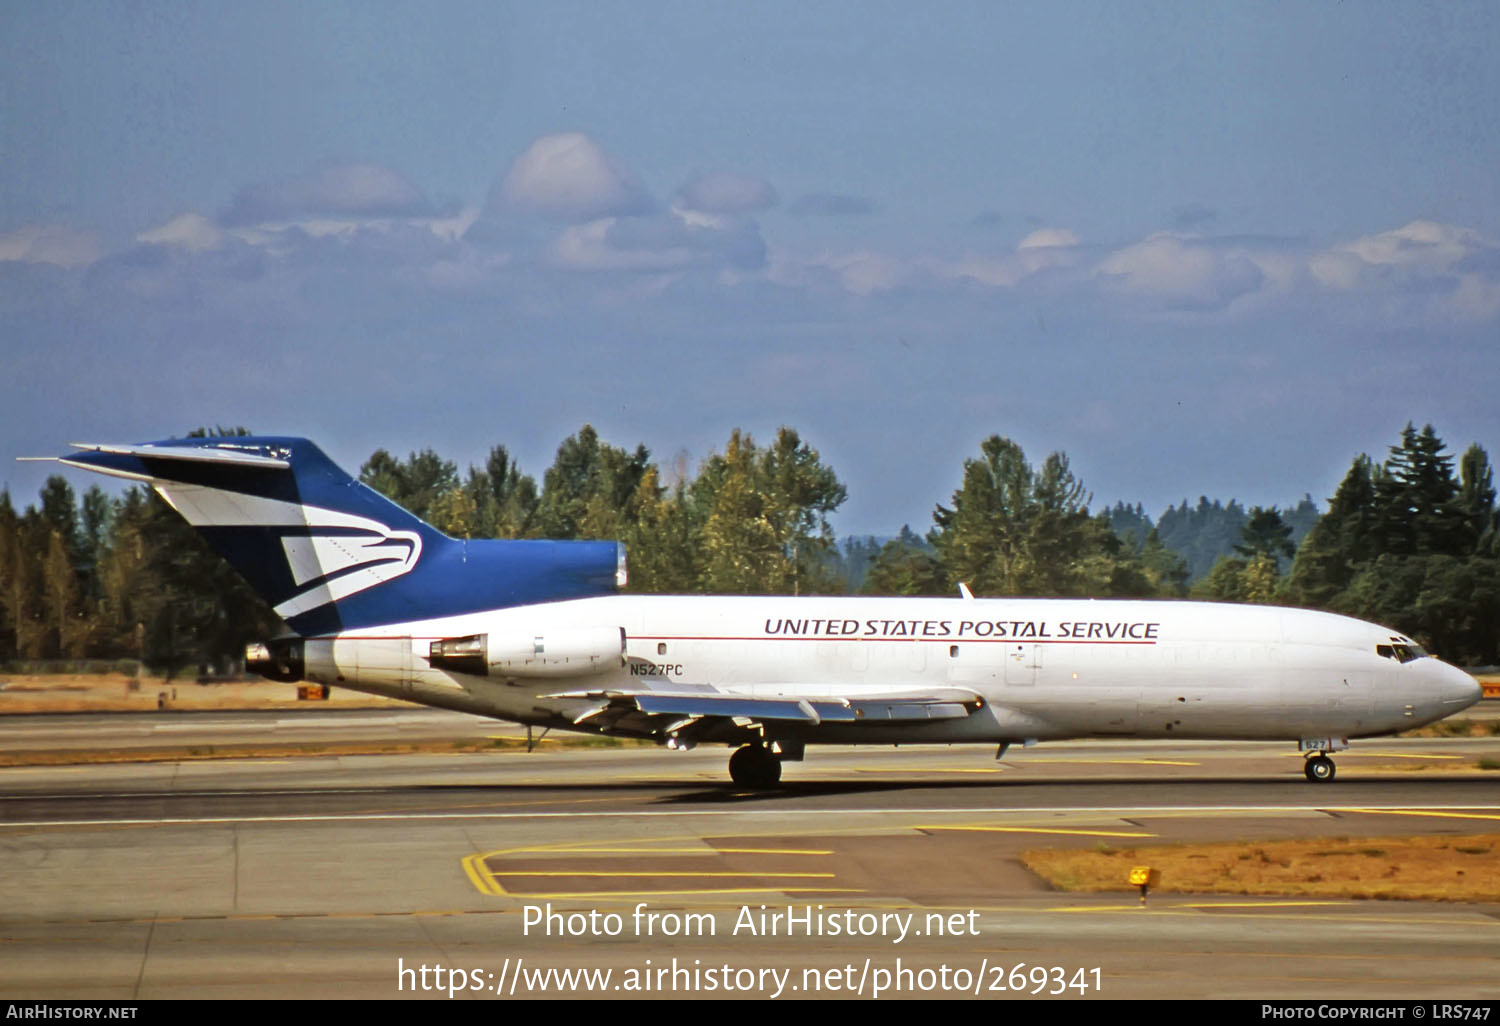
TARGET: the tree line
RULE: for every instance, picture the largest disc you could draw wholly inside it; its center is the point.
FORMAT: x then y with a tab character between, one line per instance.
1406	542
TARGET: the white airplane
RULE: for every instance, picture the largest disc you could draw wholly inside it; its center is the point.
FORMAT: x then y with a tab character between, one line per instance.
534	632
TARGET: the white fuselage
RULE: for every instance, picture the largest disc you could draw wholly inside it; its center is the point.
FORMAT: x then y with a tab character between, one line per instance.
1039	668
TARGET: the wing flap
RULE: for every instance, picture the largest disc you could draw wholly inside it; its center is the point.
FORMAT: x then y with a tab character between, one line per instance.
949	704
901	712
725	705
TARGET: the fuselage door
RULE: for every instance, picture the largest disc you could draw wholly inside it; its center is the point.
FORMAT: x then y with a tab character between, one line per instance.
1022	661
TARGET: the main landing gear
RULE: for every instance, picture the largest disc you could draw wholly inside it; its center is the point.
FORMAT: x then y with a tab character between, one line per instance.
755	766
1319	768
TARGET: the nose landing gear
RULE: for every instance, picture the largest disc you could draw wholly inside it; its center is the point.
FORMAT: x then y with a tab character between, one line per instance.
756	767
1318	768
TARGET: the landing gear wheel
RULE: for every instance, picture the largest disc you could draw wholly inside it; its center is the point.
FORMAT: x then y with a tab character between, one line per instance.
1319	769
755	766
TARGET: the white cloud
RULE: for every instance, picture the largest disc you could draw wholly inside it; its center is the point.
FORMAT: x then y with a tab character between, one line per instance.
1422	248
1475	299
663	242
192	232
342	192
568	177
1336	269
860	273
1048	238
1421	269
1421	273
466	271
49	244
723	192
1040	250
452	228
587	247
1181	272
1421	244
1282	269
865	273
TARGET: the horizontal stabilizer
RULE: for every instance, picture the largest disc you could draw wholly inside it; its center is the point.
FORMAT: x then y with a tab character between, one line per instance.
197	454
161	455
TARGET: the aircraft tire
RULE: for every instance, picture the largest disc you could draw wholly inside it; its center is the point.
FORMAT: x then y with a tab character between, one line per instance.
754	766
1319	769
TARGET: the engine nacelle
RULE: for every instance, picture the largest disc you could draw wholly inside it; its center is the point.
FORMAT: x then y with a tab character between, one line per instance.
280	659
559	653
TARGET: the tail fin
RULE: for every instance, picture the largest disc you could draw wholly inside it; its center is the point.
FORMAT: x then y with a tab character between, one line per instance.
329	553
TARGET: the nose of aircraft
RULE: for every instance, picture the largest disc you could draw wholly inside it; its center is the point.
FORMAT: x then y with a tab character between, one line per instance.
1456	689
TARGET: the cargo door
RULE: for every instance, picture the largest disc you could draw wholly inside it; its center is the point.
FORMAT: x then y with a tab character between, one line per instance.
1022	663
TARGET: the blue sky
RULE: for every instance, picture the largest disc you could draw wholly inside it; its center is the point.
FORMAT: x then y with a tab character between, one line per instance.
1204	249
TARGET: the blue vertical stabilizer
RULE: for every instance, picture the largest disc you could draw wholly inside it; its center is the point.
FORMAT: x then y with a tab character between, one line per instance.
331	554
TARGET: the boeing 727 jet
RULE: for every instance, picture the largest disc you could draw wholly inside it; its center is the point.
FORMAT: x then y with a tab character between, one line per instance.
536	632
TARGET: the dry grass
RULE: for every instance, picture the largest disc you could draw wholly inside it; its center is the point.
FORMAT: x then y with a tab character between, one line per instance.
195	753
112	692
55	693
1413	868
1457	727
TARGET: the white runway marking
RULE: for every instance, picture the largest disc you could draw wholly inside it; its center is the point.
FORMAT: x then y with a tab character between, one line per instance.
758	813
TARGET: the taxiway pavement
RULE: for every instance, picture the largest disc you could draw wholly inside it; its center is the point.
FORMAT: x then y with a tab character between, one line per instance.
334	876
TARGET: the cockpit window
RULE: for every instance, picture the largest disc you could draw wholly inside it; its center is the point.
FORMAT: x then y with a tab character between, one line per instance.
1402	652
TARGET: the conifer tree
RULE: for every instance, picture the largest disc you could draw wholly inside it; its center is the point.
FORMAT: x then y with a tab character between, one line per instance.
1417	512
10	556
1476	500
414	485
1265	534
1015	531
1338	543
906	565
506	497
588	488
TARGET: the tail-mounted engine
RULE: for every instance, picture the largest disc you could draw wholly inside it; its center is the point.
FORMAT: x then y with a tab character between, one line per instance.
562	653
280	659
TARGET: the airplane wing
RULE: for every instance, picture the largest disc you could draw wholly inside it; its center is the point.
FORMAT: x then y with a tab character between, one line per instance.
679	707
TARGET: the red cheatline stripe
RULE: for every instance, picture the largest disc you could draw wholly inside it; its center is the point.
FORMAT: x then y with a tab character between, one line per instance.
772	637
950	640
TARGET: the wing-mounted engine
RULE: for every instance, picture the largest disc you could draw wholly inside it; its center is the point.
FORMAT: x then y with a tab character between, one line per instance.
548	654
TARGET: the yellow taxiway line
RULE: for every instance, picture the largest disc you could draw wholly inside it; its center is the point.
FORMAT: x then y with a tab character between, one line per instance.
1038	830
